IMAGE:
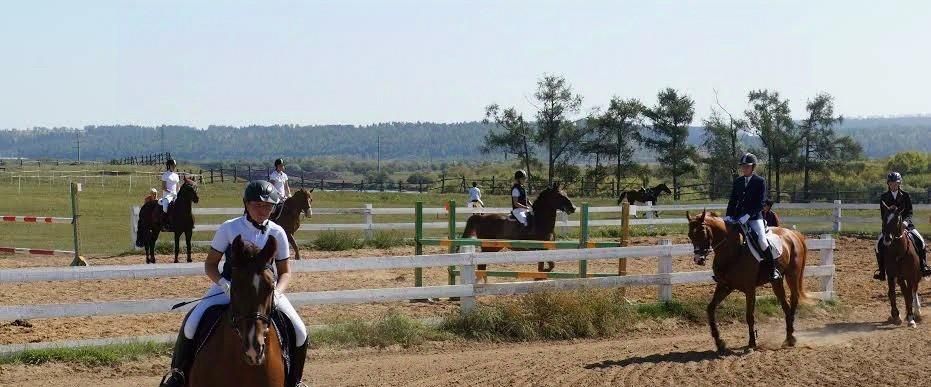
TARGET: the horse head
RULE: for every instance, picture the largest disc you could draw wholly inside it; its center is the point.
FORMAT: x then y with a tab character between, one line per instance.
305	201
188	191
702	235
252	296
661	189
892	224
553	197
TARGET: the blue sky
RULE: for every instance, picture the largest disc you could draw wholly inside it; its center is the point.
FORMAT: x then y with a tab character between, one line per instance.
75	63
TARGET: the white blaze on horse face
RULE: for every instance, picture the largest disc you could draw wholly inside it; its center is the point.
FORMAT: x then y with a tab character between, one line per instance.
252	353
256	280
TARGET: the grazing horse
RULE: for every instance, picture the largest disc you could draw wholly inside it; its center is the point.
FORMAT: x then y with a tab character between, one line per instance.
901	265
244	349
179	216
736	269
288	215
541	224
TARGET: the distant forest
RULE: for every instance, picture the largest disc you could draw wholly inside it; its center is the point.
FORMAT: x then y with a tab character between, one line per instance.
422	141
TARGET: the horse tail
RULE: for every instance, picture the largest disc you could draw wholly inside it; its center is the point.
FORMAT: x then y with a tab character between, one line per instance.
621	199
801	251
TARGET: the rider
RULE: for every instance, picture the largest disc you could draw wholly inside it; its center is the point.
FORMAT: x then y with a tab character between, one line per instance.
254	227
520	205
280	180
170	183
901	200
772	220
475	196
745	206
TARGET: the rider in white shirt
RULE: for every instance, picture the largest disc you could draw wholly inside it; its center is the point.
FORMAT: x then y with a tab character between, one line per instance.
475	196
520	204
280	180
170	185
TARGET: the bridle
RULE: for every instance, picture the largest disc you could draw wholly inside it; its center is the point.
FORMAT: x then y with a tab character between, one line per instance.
701	253
255	316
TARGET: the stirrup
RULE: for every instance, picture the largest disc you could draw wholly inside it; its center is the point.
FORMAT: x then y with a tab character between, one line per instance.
175	377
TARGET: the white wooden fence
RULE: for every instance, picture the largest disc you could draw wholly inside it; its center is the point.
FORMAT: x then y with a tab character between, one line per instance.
467	290
369	225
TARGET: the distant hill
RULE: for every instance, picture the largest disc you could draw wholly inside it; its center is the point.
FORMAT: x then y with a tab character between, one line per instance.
880	137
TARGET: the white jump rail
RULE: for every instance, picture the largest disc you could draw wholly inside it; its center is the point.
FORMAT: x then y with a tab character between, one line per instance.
467	291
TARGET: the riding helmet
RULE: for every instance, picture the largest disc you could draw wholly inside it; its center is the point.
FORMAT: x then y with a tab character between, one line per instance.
894	177
520	174
748	159
170	162
260	191
279	162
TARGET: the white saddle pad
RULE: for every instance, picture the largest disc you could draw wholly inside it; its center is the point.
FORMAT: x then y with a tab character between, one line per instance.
774	240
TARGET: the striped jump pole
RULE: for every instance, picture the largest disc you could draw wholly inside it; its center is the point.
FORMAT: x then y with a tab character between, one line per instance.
34	219
28	251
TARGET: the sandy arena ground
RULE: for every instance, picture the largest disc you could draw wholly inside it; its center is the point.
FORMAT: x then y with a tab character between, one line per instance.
852	350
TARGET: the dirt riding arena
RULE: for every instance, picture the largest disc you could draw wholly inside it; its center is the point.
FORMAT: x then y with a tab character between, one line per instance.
853	350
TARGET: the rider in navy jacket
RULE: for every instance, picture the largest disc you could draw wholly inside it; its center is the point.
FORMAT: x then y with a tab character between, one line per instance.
745	207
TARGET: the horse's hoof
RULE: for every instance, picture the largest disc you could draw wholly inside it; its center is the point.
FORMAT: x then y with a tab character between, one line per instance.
790	341
894	321
189	260
176	261
912	324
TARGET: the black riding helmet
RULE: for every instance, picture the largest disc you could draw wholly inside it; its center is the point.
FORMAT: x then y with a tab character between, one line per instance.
170	162
279	162
520	174
894	177
260	191
748	159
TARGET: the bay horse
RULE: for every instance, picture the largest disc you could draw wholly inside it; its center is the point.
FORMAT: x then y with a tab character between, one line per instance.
735	268
288	215
541	224
644	195
901	266
244	349
179	216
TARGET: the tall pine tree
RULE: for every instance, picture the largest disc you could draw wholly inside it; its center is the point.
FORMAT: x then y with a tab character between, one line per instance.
668	132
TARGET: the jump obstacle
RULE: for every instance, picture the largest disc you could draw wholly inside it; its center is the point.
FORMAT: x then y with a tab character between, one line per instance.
453	242
73	220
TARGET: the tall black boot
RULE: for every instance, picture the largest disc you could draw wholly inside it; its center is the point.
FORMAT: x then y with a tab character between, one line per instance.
923	256
881	272
774	274
298	357
181	361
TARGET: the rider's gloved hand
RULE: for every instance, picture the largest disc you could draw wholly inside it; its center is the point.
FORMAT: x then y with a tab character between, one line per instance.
225	285
728	219
744	219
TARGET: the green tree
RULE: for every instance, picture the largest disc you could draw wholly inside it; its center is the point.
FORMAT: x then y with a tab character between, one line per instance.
821	146
723	149
615	133
556	130
516	138
907	162
668	132
769	117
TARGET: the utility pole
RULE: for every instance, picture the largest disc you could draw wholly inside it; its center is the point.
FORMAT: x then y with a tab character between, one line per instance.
161	131
378	154
77	142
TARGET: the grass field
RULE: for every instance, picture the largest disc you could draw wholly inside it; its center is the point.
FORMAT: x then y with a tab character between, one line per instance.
106	200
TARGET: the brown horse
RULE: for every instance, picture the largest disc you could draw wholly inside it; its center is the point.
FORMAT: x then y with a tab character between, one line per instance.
288	215
244	349
541	227
901	265
736	269
179	216
644	195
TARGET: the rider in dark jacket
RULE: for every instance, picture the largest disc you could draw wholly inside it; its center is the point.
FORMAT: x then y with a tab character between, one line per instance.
903	201
745	207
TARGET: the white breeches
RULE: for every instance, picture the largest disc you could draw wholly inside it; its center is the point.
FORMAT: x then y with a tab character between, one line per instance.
167	198
281	303
913	231
759	228
521	215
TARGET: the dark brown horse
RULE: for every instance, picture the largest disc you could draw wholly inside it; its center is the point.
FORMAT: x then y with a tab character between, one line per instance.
244	349
179	216
901	265
736	269
644	195
288	215
541	224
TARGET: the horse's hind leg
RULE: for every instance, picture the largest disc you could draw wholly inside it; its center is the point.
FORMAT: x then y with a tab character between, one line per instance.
550	265
720	292
908	295
780	291
751	308
187	241
894	312
916	304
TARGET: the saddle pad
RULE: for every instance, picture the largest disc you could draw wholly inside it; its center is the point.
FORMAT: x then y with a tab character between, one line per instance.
212	318
774	240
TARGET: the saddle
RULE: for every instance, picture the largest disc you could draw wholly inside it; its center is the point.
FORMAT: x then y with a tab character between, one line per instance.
212	319
529	225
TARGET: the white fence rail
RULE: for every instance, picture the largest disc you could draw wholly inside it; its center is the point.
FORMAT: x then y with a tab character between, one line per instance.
467	291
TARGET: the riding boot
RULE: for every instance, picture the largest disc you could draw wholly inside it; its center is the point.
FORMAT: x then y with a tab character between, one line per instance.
771	265
923	257
298	357
181	360
881	272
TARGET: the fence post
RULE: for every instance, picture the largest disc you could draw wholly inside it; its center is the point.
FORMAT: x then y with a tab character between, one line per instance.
625	241
369	222
133	223
418	247
75	215
467	303
827	259
563	222
451	236
583	240
665	267
650	216
837	215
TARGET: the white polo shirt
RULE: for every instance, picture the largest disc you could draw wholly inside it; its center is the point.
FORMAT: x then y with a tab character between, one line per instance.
171	180
278	179
229	230
475	194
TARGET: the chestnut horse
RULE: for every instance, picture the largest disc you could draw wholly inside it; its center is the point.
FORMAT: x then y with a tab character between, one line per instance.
244	349
288	215
179	216
541	227
901	265
735	268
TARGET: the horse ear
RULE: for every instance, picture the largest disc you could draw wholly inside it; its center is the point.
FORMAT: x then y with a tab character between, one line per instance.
310	190
688	216
268	252
703	213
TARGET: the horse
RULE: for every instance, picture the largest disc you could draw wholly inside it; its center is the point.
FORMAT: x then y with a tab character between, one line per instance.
288	215
901	265
179	216
244	349
541	227
736	269
644	195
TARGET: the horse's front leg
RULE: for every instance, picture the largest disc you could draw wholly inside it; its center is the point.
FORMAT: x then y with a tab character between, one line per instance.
720	292
187	240
909	296
894	313
750	297
177	245
297	251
